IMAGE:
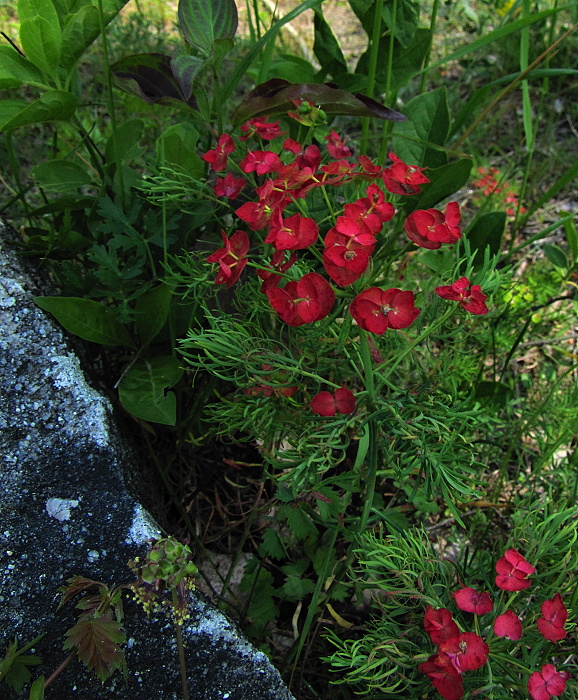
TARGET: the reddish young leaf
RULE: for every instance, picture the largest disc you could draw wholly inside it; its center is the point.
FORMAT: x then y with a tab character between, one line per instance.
96	641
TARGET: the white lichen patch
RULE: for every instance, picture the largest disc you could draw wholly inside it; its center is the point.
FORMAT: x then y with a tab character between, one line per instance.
143	527
59	508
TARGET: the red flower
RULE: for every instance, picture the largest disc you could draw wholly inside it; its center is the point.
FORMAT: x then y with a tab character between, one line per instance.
294	233
229	186
472	299
376	309
308	300
217	158
263	129
547	683
336	146
231	257
508	625
344	259
260	162
327	404
554	616
471	601
513	571
429	228
467	651
444	677
400	178
439	624
367	169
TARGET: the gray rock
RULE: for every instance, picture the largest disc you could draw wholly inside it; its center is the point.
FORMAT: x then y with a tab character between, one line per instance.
65	510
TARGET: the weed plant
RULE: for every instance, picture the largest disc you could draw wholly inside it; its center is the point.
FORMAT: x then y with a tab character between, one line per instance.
360	280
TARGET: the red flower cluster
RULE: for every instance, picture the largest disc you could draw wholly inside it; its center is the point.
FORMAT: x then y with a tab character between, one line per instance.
308	300
471	299
231	258
457	653
488	183
460	652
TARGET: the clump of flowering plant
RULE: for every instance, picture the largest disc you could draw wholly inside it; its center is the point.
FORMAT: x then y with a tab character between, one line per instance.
459	652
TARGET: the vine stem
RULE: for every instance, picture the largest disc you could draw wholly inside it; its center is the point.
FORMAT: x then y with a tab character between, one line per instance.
58	671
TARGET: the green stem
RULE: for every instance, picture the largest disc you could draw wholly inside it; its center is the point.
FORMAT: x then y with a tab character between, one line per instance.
371	461
181	650
432	26
372	68
110	98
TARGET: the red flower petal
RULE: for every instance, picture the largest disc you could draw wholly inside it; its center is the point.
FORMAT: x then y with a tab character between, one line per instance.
508	625
469	600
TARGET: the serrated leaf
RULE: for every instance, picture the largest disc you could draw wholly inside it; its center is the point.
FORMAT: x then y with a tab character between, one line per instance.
87	319
142	389
276	97
15	69
55	105
203	21
14	666
300	523
296	588
428	123
151	312
61	175
96	641
272	545
75	586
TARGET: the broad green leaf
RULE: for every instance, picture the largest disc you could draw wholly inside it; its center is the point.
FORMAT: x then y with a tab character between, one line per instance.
185	69
444	182
439	261
406	13
572	238
82	28
15	70
123	144
556	255
326	47
203	21
177	147
151	312
276	97
61	175
486	232
468	111
55	105
142	389
28	9
428	120
289	67
41	43
87	319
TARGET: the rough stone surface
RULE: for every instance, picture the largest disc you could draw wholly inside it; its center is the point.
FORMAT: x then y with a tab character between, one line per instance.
65	510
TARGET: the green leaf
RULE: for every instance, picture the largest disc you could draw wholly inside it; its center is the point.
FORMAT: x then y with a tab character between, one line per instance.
37	689
467	112
177	146
428	123
444	181
29	9
41	42
123	144
142	389
96	642
87	319
203	21
151	312
556	255
185	69
299	522
15	70
572	238
272	545
55	105
61	175
326	47
296	588
14	666
276	97
486	232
